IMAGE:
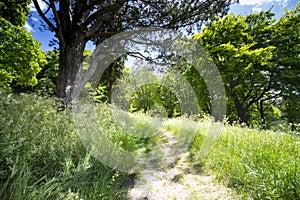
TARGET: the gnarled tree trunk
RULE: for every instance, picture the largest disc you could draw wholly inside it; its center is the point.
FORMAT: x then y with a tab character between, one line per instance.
70	69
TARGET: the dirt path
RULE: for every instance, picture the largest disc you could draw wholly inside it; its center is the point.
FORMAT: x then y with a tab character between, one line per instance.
179	181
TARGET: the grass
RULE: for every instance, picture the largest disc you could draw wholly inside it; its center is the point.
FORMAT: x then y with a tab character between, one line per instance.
258	164
42	157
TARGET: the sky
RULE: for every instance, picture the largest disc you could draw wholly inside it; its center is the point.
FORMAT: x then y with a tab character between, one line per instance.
243	8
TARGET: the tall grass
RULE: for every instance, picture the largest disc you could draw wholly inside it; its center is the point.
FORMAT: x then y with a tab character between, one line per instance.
42	157
258	164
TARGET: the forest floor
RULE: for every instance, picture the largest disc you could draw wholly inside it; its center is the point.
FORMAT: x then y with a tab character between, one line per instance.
178	180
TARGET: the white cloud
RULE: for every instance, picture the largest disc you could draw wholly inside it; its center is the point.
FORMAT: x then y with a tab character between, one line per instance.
28	28
254	2
285	3
260	2
256	9
35	19
42	4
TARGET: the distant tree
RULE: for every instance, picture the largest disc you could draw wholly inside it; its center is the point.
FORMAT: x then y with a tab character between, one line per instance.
244	63
110	75
47	77
286	39
198	84
144	98
76	22
291	110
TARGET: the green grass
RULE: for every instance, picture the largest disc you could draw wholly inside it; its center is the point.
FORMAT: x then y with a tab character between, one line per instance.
258	164
42	157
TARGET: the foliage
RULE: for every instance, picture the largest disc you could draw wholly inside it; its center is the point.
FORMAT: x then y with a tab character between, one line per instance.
144	98
15	11
46	77
200	89
77	22
20	56
286	38
153	97
246	68
258	60
109	77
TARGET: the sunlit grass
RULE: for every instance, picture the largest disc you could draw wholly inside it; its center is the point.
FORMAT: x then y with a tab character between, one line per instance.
259	164
42	157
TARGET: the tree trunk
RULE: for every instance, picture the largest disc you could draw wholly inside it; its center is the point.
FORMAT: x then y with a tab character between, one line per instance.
241	112
291	124
262	114
69	83
110	85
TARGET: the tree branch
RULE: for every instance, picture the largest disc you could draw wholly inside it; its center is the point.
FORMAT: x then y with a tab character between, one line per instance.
56	18
103	11
262	93
141	56
101	35
48	9
43	16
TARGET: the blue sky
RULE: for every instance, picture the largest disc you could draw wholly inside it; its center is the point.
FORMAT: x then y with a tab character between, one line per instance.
243	8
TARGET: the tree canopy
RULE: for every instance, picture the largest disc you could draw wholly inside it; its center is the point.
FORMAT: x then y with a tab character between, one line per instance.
20	54
258	58
286	38
76	22
246	68
15	11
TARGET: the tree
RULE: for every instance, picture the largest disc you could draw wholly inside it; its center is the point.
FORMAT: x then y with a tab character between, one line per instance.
200	88
47	77
292	110
244	63
110	75
261	28
76	22
144	98
286	38
20	56
15	11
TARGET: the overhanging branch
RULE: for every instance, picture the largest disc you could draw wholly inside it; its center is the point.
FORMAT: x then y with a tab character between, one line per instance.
43	16
103	11
101	35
